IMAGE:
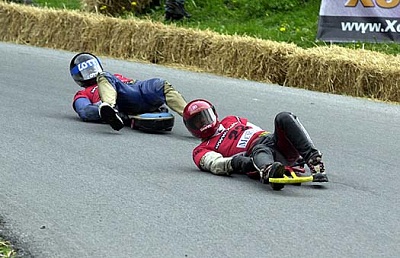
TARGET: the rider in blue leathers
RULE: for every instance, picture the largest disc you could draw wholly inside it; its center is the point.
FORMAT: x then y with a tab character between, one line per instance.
109	97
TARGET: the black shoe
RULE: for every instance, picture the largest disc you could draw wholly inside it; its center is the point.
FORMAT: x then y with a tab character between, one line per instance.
110	116
173	17
317	169
275	170
175	11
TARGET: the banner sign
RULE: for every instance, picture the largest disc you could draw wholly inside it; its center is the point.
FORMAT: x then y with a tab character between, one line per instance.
359	21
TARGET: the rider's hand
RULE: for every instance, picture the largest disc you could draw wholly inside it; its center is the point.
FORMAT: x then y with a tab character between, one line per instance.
242	164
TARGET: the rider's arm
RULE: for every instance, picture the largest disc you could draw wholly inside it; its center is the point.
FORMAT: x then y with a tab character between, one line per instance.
215	163
87	111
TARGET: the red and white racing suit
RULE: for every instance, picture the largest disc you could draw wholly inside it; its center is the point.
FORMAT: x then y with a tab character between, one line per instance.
259	148
235	135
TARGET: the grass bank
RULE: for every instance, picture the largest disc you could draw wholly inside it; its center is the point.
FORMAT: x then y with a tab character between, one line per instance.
6	250
292	21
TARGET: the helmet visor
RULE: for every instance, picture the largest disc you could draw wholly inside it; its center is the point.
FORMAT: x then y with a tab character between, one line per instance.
88	69
202	120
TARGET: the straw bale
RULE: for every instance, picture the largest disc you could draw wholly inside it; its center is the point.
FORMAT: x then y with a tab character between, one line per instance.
178	45
228	55
381	78
250	58
242	57
328	69
345	71
48	28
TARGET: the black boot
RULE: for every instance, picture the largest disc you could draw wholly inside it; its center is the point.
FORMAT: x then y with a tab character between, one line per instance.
175	10
274	170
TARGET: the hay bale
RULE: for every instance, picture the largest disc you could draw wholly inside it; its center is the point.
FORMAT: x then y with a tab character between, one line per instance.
46	27
250	58
241	57
340	70
327	69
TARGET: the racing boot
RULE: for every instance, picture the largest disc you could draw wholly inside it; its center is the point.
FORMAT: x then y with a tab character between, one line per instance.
274	170
317	168
110	116
175	10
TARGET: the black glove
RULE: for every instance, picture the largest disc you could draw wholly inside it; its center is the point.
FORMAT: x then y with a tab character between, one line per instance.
242	164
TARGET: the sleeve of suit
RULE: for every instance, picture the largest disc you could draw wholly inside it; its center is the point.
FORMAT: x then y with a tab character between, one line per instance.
87	111
215	163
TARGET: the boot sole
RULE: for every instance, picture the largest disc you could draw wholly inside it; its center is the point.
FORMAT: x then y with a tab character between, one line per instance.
320	178
109	116
278	173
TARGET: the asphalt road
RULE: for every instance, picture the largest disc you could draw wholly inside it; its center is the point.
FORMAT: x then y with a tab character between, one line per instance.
75	189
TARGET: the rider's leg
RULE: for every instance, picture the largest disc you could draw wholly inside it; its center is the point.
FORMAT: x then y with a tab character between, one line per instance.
108	96
292	140
107	91
263	158
174	99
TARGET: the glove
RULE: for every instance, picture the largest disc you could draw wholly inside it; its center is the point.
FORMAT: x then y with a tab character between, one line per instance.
242	164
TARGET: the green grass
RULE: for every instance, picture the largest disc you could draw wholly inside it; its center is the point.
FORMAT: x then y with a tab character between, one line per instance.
6	250
292	21
65	4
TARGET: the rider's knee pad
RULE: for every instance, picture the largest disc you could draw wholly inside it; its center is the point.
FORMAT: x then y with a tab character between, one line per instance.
284	117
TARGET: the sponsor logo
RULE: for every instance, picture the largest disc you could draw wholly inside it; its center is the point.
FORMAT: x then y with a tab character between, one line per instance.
87	64
391	26
388	4
193	108
245	138
92	75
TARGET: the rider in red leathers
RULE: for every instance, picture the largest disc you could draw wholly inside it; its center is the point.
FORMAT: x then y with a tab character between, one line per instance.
235	145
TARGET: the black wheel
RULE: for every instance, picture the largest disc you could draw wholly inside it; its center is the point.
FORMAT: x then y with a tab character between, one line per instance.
278	173
276	186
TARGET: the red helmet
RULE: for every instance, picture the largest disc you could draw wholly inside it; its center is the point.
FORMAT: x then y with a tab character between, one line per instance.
200	118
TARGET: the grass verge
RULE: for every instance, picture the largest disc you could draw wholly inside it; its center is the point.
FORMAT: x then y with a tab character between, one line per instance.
6	250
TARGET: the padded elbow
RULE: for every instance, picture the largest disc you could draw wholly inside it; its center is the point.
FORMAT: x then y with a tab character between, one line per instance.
216	164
